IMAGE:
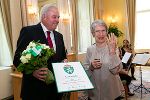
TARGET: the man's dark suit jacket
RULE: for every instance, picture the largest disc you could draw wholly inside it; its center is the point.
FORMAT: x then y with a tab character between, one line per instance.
32	88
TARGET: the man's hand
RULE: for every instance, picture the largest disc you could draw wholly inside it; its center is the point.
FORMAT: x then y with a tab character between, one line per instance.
65	60
40	73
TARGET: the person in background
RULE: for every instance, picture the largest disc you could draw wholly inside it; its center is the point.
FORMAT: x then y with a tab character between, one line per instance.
127	48
103	64
33	86
124	76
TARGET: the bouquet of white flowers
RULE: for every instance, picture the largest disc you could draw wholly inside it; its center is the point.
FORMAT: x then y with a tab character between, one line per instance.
35	57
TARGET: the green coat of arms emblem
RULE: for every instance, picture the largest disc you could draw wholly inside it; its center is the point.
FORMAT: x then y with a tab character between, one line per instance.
68	69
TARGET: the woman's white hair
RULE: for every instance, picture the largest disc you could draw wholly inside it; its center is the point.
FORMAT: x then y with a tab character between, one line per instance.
46	8
99	23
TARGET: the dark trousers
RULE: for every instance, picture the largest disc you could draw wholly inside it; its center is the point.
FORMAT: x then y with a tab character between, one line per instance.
127	78
128	67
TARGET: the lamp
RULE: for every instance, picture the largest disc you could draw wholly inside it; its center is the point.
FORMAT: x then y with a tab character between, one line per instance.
113	19
32	13
65	18
31	10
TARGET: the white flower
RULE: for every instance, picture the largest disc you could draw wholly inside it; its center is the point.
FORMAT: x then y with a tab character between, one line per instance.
44	46
25	51
28	56
23	59
31	44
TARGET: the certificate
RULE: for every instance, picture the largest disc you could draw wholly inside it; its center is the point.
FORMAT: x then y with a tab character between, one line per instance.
71	76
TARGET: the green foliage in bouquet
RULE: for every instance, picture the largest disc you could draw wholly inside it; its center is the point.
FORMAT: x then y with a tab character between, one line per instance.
34	57
114	29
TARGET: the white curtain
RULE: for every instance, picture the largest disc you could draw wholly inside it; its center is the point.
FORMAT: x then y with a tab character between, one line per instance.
85	17
131	5
65	26
5	56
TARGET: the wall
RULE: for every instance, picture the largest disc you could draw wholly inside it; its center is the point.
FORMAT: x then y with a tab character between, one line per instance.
5	82
116	8
81	57
18	18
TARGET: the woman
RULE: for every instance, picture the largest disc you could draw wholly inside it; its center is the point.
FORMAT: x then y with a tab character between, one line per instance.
127	48
103	64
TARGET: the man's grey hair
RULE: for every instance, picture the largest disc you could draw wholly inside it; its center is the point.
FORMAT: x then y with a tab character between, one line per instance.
99	23
46	8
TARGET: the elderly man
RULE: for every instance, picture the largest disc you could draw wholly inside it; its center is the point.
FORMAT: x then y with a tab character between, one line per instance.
33	85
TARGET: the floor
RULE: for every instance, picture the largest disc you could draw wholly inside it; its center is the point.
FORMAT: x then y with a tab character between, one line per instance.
144	95
134	85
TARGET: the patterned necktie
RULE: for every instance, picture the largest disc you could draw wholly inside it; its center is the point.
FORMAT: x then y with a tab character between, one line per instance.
49	40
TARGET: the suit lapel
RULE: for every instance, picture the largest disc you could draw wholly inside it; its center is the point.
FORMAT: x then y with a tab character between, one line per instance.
56	41
41	34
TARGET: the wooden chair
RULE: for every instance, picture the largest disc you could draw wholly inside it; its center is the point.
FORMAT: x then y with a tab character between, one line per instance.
126	89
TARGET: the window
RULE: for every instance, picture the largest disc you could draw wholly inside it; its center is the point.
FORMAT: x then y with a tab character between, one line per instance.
85	16
142	36
65	25
5	58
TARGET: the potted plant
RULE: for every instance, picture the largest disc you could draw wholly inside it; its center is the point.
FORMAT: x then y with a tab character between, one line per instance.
114	29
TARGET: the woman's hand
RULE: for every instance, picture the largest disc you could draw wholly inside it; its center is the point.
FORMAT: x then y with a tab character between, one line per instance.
96	64
112	43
